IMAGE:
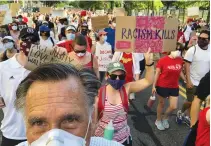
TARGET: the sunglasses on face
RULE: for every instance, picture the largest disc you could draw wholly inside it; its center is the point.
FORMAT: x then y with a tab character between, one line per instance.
82	51
204	39
114	77
28	38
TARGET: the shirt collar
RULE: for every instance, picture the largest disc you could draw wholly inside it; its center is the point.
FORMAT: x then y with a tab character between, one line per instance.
14	63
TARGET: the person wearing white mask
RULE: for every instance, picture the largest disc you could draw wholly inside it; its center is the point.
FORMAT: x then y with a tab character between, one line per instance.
61	116
103	52
14	32
82	56
166	85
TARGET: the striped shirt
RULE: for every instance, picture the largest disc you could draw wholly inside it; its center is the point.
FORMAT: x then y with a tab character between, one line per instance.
121	128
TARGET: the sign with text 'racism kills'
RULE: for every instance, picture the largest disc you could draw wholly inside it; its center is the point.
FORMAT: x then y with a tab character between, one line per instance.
39	55
143	32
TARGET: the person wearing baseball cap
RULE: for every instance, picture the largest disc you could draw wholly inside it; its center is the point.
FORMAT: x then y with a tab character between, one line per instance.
84	31
102	46
112	100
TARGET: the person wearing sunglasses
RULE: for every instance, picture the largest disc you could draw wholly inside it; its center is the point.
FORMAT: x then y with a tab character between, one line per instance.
166	85
197	64
82	56
112	100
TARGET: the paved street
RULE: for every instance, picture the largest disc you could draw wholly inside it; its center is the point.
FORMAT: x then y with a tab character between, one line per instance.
143	130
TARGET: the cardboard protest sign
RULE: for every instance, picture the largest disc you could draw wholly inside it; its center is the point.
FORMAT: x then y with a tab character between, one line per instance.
119	12
2	16
58	13
193	12
44	10
39	55
99	22
158	33
14	8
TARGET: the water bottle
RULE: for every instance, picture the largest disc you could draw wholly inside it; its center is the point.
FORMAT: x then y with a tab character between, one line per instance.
151	101
109	131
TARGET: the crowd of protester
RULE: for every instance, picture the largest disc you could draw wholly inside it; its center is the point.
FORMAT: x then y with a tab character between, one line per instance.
75	105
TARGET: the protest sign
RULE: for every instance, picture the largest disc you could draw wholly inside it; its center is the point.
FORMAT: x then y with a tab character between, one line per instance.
104	56
4	7
2	16
7	16
119	12
58	13
45	10
14	8
193	12
158	33
99	22
39	55
99	12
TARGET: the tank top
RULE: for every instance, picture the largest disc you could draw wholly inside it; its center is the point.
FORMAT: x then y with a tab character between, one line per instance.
121	128
203	131
90	63
127	61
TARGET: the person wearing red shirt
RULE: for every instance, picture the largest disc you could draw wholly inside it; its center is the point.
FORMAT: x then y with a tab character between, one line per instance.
166	84
203	130
21	23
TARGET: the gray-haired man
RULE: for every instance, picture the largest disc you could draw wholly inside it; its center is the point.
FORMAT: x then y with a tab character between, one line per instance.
57	102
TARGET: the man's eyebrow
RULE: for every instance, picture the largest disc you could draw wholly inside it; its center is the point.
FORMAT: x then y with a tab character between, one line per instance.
32	120
70	117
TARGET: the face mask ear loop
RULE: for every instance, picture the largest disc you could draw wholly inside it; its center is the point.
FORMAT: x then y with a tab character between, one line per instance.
90	120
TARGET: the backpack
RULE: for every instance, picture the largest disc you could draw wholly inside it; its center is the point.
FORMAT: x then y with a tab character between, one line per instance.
102	95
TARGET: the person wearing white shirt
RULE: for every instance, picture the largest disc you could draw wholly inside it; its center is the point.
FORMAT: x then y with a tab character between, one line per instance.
45	38
12	72
197	64
57	101
187	31
103	52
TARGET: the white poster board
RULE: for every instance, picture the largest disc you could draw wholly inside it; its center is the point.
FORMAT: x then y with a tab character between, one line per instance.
8	16
193	12
59	13
99	12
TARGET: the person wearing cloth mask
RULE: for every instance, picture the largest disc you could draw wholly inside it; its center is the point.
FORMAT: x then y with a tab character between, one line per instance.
131	64
112	100
111	33
21	23
84	32
14	32
103	46
80	53
64	120
12	72
51	31
197	64
63	22
70	34
45	39
10	48
166	85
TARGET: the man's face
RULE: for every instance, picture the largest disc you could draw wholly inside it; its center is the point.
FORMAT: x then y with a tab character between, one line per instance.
56	105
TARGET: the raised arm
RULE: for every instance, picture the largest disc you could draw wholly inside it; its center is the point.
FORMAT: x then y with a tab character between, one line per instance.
139	85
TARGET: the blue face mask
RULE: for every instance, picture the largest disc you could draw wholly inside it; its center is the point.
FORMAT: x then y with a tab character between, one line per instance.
70	36
116	84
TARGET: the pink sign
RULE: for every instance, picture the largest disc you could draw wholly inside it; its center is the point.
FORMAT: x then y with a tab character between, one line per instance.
123	44
149	34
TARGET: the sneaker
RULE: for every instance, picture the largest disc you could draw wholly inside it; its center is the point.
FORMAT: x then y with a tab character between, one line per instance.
165	123
187	120
159	125
179	117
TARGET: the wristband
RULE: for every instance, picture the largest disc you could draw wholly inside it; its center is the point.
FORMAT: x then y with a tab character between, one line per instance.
150	64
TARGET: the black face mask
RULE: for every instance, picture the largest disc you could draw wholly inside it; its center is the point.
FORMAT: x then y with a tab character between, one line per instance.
45	33
202	43
84	32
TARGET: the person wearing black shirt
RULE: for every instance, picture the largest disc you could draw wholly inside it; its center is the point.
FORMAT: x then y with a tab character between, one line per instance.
202	91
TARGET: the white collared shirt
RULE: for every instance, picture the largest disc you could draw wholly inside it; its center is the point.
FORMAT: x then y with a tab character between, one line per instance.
95	141
11	75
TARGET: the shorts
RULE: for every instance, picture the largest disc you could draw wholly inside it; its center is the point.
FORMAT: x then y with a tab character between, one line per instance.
190	92
167	92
